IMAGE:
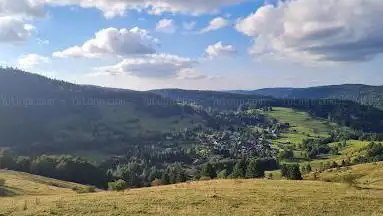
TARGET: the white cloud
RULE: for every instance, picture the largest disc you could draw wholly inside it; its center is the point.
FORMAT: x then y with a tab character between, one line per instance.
215	24
22	8
188	26
113	42
112	8
166	26
317	30
220	49
191	74
14	30
195	7
159	66
31	60
42	41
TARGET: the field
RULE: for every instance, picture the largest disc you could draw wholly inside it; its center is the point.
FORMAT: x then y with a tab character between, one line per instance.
219	197
302	126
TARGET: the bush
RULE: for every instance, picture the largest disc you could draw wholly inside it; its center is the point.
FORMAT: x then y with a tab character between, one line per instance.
156	182
118	185
86	189
291	171
2	182
205	178
223	174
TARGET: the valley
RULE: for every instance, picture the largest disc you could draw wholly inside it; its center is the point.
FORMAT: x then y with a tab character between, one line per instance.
176	151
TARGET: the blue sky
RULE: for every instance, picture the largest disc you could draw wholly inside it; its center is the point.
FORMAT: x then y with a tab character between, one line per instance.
233	44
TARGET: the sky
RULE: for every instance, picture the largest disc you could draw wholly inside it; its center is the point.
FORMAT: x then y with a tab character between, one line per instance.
195	44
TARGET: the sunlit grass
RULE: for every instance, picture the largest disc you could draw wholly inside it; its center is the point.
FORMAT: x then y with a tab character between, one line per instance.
218	197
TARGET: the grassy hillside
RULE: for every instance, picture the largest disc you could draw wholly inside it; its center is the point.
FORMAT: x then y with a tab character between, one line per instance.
301	122
24	184
361	175
353	149
302	126
220	197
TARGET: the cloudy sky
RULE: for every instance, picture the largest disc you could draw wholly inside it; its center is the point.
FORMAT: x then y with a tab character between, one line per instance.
195	44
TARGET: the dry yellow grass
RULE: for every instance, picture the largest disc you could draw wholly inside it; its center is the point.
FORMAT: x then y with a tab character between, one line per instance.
18	183
219	197
363	175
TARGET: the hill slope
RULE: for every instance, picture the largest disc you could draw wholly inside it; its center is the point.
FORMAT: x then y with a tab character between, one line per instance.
221	197
345	113
366	176
24	184
38	114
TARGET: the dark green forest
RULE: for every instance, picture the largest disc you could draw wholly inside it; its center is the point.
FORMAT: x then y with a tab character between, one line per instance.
363	94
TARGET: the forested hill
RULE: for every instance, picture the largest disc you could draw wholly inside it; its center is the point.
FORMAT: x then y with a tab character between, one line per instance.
213	99
41	113
344	112
363	94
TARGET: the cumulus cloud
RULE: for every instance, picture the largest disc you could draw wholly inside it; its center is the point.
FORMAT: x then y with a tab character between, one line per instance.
113	42
159	66
220	49
166	26
317	30
191	74
14	30
32	60
22	8
215	24
195	7
112	8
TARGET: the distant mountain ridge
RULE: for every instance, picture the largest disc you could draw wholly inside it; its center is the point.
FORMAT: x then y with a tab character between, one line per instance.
363	94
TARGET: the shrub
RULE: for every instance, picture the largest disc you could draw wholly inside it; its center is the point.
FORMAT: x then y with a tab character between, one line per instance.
156	182
86	189
223	174
205	178
2	182
118	185
291	171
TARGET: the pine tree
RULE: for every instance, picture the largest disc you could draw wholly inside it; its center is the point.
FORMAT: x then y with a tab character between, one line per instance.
294	172
239	170
208	170
284	170
254	169
165	178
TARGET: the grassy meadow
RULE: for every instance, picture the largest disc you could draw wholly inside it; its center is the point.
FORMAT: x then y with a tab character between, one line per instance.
218	197
302	126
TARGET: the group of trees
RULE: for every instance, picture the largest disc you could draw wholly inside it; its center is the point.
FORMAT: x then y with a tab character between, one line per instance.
291	171
249	168
64	167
